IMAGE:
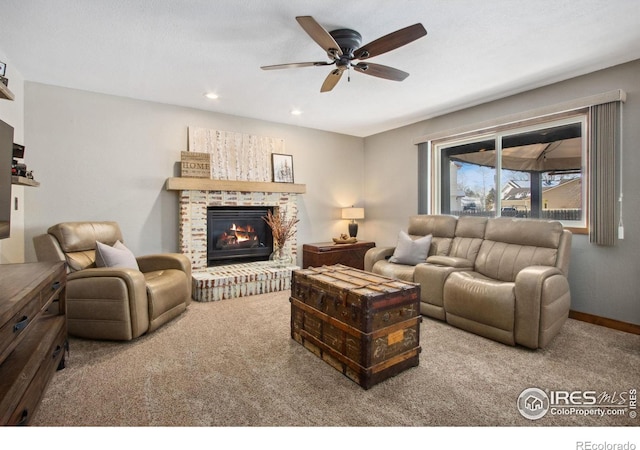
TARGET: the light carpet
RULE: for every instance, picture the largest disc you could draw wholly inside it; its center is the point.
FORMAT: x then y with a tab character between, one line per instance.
233	363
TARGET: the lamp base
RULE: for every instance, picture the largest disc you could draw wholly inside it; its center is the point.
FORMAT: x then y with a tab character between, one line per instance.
353	229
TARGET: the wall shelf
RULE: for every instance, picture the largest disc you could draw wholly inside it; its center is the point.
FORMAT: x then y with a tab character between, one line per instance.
5	92
208	184
23	181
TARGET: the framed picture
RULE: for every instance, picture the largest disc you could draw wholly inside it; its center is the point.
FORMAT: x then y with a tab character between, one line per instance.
3	68
282	168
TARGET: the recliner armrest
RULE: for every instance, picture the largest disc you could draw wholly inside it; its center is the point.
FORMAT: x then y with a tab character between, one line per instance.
376	254
164	261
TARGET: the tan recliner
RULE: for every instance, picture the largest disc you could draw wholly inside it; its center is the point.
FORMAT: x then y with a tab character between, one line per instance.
112	302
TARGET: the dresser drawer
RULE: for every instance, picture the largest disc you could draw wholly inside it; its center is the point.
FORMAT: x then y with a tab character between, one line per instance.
13	329
24	375
19	318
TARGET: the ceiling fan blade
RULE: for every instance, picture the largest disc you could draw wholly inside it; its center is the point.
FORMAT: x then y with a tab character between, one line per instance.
380	71
391	41
319	34
294	65
332	79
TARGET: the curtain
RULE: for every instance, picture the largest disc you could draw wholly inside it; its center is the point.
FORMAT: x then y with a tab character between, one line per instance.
604	146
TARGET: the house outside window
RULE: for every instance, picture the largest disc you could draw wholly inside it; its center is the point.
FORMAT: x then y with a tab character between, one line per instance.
541	171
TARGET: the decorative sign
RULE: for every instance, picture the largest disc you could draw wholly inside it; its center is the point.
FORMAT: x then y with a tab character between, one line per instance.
195	165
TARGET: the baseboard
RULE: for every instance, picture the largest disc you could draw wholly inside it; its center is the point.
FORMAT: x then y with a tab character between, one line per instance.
603	321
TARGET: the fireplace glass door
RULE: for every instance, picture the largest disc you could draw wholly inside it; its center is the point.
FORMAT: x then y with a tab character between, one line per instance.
237	234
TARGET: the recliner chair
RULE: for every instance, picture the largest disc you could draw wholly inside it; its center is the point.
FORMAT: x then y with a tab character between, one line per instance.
114	303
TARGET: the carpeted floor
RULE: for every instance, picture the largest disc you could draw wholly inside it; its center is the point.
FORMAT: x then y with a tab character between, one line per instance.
233	363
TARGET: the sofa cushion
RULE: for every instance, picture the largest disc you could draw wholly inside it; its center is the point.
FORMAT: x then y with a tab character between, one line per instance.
471	227
437	225
411	251
441	227
510	245
502	261
117	256
82	236
480	299
469	235
535	233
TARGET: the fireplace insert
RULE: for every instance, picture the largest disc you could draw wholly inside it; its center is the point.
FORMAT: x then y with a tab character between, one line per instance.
237	234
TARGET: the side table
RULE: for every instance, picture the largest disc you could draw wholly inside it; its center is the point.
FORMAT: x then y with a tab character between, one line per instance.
329	253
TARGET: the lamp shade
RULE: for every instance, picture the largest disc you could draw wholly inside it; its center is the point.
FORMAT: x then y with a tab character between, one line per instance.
353	213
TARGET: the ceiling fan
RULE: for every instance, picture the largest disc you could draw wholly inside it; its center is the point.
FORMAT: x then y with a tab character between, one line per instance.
343	48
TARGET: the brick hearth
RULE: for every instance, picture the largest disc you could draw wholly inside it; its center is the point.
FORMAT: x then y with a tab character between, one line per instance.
240	280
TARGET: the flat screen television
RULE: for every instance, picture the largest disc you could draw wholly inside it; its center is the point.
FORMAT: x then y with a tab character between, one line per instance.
6	156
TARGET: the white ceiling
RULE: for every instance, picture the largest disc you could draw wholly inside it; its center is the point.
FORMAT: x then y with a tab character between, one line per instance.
173	51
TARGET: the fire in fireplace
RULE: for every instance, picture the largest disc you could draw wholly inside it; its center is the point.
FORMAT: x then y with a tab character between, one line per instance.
237	234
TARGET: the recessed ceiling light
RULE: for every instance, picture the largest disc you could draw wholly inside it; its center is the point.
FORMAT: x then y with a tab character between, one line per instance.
211	95
296	112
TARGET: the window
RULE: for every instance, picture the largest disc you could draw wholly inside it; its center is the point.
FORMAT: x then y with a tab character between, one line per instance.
586	195
535	171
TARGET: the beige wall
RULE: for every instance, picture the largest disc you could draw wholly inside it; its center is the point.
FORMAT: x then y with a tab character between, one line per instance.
604	281
101	157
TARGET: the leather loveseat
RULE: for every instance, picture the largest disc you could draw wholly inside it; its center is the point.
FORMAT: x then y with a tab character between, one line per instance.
122	300
501	278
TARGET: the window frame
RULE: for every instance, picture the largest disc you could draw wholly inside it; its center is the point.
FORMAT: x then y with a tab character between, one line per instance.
431	168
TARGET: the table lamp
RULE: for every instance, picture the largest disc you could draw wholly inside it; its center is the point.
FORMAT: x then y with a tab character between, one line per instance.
353	214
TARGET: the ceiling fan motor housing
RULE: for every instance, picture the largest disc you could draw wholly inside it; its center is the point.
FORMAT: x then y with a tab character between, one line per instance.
348	40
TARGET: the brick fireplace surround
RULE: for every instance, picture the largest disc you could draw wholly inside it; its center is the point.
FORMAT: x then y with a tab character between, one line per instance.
234	280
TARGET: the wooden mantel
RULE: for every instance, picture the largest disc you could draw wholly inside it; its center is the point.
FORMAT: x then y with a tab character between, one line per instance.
208	184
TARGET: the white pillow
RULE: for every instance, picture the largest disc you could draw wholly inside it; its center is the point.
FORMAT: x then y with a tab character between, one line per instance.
117	256
410	251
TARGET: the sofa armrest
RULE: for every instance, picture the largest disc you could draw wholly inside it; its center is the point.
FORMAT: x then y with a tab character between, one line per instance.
163	261
450	261
376	254
542	304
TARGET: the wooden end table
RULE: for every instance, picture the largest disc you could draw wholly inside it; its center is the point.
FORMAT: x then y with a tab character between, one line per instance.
329	253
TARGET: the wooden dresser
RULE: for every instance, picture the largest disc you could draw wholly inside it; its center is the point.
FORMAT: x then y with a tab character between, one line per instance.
33	335
328	253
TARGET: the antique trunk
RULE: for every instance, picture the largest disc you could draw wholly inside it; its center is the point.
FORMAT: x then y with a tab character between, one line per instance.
365	325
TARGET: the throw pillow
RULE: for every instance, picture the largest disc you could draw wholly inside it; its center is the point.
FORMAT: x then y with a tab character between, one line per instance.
411	251
117	256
